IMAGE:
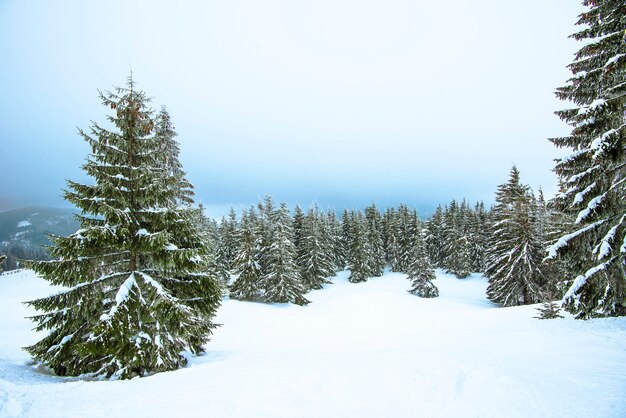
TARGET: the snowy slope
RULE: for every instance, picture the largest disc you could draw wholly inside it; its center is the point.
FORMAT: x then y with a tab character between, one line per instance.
359	350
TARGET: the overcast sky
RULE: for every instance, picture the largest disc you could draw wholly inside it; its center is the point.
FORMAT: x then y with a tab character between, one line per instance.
343	102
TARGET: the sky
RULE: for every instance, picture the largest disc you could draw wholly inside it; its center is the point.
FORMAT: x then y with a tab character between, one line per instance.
339	102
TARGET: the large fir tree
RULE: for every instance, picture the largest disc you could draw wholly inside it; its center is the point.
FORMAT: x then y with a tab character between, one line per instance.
137	294
316	258
514	253
282	282
595	172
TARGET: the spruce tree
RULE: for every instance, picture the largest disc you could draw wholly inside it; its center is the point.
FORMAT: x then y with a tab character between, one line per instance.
246	266
515	252
316	256
265	232
217	259
595	172
137	294
388	219
346	235
2	258
228	238
421	272
477	232
376	256
358	255
282	282
434	239
457	242
549	309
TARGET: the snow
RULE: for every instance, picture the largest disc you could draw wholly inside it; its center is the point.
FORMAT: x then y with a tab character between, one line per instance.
122	295
23	224
581	195
614	59
593	203
359	350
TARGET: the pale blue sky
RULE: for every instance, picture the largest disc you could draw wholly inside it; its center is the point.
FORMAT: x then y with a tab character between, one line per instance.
343	102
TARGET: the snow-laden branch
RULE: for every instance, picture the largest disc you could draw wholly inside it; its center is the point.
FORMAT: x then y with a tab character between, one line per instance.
582	279
593	203
564	240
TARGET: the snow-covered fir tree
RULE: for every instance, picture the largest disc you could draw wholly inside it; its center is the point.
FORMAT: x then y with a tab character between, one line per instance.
229	238
2	258
414	235
246	266
434	237
136	294
265	231
336	240
282	282
478	235
456	241
388	219
595	171
376	256
328	242
420	270
550	308
316	258
399	238
515	251
358	251
217	259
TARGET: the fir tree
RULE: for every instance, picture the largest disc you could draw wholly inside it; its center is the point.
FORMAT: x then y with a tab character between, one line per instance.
282	282
247	268
514	265
315	259
388	220
477	237
2	258
228	238
217	259
595	172
265	232
434	239
336	241
358	254
376	256
549	309
457	247
137	292
346	236
421	272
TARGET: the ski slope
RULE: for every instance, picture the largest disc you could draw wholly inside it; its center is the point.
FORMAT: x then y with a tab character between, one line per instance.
358	350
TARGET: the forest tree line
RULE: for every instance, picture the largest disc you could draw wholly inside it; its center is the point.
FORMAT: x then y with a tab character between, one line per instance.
273	256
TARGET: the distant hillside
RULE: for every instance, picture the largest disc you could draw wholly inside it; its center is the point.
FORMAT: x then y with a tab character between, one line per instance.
35	224
24	231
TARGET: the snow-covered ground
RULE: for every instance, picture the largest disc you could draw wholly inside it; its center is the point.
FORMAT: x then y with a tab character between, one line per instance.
359	350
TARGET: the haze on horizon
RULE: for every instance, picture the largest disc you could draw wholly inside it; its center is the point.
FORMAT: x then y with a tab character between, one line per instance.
338	102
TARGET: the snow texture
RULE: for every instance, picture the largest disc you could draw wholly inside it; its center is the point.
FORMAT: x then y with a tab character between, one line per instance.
366	350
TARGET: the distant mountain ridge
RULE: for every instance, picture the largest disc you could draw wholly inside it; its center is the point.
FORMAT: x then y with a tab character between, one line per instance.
33	225
25	232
